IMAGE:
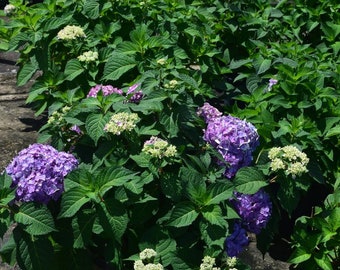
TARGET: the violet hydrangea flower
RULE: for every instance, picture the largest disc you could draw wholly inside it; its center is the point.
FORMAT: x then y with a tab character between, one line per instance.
208	112
133	95
236	242
234	139
106	90
38	173
254	210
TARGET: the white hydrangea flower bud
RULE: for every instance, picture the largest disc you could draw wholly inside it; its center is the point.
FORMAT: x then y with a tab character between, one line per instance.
9	9
147	254
71	32
120	122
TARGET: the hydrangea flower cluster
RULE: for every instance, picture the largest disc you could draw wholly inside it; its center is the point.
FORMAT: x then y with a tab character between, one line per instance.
254	210
89	56
231	262
9	9
106	90
71	32
208	263
57	117
158	148
146	261
171	85
120	122
38	173
289	159
233	138
133	95
208	112
236	242
271	83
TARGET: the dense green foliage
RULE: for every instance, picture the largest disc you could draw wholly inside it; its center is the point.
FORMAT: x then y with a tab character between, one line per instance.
182	54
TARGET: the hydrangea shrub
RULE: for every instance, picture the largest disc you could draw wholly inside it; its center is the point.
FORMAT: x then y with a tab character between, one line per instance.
129	89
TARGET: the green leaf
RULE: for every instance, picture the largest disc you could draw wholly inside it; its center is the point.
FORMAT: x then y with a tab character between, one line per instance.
37	89
95	124
113	177
27	71
73	69
248	180
164	249
91	9
220	192
183	214
82	226
213	214
263	66
72	200
36	218
33	254
113	218
117	65
334	131
55	23
323	261
299	255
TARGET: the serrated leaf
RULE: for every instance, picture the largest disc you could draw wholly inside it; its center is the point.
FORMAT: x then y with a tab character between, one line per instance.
72	201
220	192
73	69
113	177
55	23
234	64
34	254
213	214
334	131
249	180
113	218
95	124
82	226
37	89
299	255
27	71
37	219
264	66
117	65
91	9
183	214
164	249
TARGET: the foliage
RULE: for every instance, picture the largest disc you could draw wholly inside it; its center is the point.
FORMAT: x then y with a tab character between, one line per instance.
316	238
180	54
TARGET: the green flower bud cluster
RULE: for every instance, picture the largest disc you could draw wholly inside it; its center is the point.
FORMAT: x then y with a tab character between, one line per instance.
208	263
159	148
57	117
289	159
146	261
89	56
231	262
71	32
120	122
172	84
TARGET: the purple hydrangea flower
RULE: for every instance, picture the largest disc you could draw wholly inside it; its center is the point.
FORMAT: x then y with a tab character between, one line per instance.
38	173
271	83
133	95
234	139
208	112
236	242
76	129
254	210
106	90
